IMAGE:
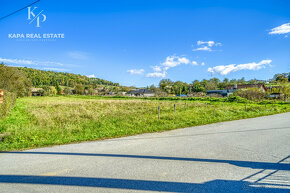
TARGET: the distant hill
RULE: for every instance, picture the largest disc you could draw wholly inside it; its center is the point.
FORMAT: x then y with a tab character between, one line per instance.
50	78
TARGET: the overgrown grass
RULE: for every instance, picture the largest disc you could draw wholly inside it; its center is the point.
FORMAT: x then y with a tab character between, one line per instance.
44	121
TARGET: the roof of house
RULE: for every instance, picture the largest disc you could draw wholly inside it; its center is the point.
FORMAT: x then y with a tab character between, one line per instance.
221	91
247	86
140	91
36	89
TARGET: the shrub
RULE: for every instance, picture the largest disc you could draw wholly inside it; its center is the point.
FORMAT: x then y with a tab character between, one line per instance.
237	99
49	90
67	91
80	89
198	94
254	94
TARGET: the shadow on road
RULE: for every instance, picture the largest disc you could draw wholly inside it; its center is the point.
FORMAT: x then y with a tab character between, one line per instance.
217	186
248	164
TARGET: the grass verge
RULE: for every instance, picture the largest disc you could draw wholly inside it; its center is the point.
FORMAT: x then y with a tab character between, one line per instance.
44	121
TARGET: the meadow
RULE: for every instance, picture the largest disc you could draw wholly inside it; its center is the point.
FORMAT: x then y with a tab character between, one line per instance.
45	121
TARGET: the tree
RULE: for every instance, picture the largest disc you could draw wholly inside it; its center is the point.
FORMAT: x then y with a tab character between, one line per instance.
281	79
57	87
250	93
15	81
197	87
180	88
67	91
49	90
241	81
80	89
166	85
211	86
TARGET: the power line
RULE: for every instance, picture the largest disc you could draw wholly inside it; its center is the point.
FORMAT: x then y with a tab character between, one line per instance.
19	10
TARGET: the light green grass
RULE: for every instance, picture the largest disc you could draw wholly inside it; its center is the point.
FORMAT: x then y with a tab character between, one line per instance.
44	121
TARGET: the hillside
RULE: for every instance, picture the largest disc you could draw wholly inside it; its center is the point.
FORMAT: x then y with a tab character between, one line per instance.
50	78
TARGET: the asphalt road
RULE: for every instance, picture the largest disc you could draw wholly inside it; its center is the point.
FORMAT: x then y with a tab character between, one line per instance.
239	156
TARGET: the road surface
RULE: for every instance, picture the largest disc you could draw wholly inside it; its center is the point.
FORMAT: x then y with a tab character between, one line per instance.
249	155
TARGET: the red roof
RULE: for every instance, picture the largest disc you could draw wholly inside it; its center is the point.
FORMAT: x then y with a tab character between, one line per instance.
247	86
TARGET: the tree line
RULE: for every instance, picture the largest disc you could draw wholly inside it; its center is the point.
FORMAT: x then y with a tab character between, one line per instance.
167	86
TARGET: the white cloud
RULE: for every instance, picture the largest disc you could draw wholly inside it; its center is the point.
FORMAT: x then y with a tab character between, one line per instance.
282	29
209	43
91	76
194	63
160	71
78	55
205	48
136	71
56	69
172	61
17	61
24	62
157	74
226	69
157	68
206	45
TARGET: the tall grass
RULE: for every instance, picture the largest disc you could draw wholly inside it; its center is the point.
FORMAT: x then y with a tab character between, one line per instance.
44	121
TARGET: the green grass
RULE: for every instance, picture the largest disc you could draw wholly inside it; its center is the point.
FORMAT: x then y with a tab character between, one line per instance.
44	121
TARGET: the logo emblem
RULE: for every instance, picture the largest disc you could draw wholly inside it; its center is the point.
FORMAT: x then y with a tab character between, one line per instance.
38	18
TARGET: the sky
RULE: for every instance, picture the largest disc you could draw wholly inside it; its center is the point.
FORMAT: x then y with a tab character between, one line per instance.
140	42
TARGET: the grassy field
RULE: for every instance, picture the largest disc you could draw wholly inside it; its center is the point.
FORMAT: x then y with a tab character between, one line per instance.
43	121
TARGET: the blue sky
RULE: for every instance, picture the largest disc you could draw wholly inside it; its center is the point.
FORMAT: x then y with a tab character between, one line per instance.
140	42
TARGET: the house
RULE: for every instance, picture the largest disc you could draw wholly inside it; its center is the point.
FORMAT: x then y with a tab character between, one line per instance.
141	93
37	92
275	92
223	93
276	95
1	95
232	88
260	86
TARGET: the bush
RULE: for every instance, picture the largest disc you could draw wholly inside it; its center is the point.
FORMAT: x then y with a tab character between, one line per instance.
237	99
67	91
8	103
254	94
49	90
198	94
80	89
15	81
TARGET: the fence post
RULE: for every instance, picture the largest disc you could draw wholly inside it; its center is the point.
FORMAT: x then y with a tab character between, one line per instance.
158	112
174	108
214	110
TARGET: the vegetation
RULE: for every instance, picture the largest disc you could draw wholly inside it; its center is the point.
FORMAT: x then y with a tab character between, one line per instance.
15	84
8	103
40	78
14	80
254	94
44	121
52	119
168	87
